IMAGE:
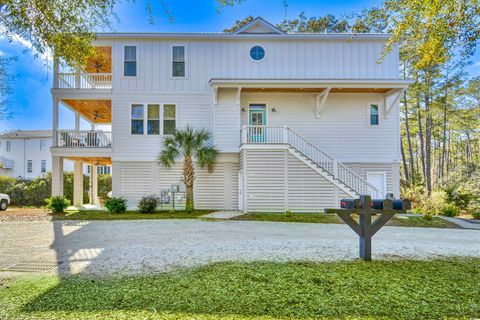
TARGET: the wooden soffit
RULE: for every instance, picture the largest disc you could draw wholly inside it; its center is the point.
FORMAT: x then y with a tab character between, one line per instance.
100	161
317	90
96	111
100	62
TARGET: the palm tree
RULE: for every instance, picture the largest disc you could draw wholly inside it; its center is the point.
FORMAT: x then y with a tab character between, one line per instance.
189	143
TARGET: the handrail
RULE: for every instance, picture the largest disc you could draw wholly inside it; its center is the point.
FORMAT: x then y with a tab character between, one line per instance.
82	80
84	139
287	135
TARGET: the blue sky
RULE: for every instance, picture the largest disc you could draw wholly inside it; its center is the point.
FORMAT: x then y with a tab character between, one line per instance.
32	103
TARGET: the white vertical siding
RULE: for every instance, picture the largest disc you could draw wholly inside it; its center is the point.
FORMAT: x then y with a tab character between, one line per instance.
343	130
289	59
227	121
195	110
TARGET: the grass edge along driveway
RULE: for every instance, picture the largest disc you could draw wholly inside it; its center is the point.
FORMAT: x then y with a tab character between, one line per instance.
402	289
399	221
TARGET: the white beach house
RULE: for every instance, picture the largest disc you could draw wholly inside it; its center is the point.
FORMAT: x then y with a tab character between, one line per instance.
301	120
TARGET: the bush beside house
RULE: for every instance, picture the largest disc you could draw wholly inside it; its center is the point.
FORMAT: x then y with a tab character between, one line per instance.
34	192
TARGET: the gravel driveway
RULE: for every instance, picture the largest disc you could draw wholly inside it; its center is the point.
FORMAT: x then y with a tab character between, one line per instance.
103	247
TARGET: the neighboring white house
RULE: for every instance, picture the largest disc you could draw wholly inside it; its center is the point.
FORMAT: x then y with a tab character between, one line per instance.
26	154
301	120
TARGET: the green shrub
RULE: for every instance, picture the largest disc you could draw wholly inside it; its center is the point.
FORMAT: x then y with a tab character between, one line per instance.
288	213
57	204
450	210
475	214
148	204
428	217
116	205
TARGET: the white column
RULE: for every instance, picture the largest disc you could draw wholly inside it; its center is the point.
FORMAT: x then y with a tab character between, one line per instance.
57	176
77	121
77	183
55	72
94	185
55	122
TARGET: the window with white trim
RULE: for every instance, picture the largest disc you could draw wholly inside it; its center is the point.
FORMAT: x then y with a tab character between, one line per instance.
29	166
43	166
178	61
137	119
169	118
43	145
130	61
153	120
374	115
8	146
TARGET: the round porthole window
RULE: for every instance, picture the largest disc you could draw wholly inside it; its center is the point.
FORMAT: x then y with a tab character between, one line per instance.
257	53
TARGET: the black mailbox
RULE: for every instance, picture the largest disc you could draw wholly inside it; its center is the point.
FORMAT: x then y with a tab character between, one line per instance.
398	204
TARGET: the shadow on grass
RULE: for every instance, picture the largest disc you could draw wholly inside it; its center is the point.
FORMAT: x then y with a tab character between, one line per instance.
400	289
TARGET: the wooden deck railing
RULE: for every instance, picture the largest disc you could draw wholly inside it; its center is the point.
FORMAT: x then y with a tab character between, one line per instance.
286	135
81	80
84	139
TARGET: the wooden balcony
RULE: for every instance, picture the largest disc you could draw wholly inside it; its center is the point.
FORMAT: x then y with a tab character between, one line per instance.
85	81
83	139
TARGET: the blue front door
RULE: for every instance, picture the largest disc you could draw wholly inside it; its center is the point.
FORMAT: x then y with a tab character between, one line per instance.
257	120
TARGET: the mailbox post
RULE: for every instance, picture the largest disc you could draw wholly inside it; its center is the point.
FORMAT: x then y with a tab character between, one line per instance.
365	229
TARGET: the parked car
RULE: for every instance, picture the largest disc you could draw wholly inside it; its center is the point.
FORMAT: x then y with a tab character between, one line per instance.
4	201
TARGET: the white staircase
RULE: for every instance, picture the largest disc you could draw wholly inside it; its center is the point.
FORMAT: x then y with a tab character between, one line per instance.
336	172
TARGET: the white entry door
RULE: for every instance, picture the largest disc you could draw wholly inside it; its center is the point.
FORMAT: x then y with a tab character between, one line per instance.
240	190
379	181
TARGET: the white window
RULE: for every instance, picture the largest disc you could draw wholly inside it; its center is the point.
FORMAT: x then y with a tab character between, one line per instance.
8	146
130	61
178	61
43	166
29	166
146	119
43	145
169	118
374	115
153	121
137	118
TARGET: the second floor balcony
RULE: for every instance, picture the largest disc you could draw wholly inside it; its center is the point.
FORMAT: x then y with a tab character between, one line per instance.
82	80
84	139
95	74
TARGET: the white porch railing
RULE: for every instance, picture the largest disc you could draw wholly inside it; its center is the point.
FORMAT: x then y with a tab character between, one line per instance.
85	80
286	135
84	139
6	163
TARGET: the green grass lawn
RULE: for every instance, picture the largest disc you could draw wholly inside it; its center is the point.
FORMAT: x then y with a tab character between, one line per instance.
129	215
436	289
332	218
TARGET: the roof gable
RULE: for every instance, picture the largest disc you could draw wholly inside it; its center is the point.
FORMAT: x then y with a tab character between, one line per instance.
259	26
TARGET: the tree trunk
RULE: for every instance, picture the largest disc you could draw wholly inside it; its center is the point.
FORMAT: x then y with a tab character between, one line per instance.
428	136
188	179
407	131
404	161
421	144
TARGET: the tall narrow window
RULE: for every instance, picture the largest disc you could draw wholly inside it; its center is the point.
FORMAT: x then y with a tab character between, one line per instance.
178	61
43	145
8	146
137	118
153	121
130	61
43	166
29	166
169	114
374	115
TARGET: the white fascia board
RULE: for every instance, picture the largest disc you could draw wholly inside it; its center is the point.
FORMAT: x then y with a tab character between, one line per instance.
310	83
249	36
